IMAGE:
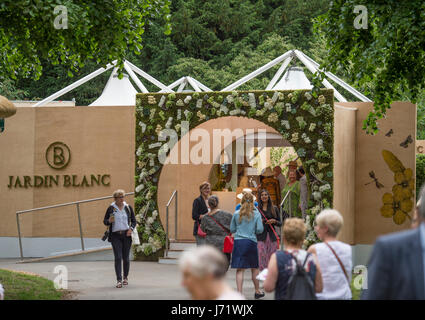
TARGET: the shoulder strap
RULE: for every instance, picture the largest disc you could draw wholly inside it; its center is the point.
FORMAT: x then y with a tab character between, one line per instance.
225	230
271	227
339	261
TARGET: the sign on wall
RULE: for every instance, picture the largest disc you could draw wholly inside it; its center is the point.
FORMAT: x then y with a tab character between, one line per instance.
58	157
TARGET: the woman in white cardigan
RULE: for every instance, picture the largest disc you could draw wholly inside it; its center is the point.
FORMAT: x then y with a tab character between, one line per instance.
334	257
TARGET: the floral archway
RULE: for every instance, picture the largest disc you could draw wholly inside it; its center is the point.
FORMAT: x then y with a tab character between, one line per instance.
304	118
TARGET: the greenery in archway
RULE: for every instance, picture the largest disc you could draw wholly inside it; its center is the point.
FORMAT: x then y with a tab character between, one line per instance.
302	117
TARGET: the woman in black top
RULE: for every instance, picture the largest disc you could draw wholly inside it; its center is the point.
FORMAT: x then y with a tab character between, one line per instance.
199	209
267	241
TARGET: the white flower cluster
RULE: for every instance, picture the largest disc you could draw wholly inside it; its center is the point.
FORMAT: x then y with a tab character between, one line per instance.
158	129
139	150
179	103
224	109
169	122
152	114
200	115
179	114
306	138
199	103
285	123
177	127
161	101
322	165
288	107
187	99
315	210
312	127
275	97
260	113
325	187
151	100
143	125
321	99
308	96
229	99
320	145
251	101
235	112
273	117
186	113
140	187
294	137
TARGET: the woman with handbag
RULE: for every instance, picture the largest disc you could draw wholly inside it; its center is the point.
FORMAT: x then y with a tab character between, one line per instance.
268	240
199	209
121	221
216	225
245	224
334	257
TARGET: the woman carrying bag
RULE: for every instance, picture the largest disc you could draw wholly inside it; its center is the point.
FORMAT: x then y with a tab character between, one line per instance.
199	210
216	225
121	221
268	240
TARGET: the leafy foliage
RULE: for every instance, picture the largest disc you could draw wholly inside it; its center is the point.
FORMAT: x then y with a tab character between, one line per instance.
304	120
390	53
100	31
420	172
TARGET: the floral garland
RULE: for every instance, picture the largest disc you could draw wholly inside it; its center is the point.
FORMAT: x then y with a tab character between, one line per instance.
303	117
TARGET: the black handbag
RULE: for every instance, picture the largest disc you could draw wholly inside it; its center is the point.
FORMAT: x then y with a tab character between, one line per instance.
105	235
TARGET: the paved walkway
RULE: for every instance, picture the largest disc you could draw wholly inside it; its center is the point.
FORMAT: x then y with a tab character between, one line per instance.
147	280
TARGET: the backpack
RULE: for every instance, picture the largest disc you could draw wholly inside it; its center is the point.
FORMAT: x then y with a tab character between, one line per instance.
300	286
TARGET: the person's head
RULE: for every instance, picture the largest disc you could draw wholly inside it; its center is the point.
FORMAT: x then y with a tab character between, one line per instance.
201	267
328	223
205	189
247	206
294	231
292	175
264	196
119	196
213	202
277	171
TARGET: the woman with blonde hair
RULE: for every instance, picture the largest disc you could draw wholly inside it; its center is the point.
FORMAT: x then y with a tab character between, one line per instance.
245	225
334	257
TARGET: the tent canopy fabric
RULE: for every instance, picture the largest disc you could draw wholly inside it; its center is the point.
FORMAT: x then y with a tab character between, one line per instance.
117	92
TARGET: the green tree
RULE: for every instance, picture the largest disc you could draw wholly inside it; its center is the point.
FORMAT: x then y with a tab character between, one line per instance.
389	53
99	31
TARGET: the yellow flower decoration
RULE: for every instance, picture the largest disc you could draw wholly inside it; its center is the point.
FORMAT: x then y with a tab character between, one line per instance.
398	204
398	210
405	185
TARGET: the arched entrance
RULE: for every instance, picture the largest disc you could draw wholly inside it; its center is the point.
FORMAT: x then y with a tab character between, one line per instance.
186	178
302	119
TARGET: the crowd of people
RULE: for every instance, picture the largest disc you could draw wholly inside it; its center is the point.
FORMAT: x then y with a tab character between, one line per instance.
323	271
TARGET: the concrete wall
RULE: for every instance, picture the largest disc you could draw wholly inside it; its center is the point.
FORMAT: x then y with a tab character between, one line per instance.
101	140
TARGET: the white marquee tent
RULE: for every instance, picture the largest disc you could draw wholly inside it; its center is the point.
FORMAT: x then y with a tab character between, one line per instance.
120	92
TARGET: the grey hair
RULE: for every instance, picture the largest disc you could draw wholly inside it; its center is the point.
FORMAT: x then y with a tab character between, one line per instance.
331	219
213	201
204	260
421	206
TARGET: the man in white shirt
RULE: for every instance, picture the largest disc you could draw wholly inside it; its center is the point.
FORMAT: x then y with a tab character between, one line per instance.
279	176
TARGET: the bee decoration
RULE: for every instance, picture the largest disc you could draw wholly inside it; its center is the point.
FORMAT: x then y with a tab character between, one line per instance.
377	183
405	143
389	133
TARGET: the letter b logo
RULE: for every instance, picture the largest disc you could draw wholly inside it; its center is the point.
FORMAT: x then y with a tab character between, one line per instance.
58	155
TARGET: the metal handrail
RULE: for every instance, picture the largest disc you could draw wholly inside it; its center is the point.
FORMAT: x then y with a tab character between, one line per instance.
77	203
288	194
167	240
